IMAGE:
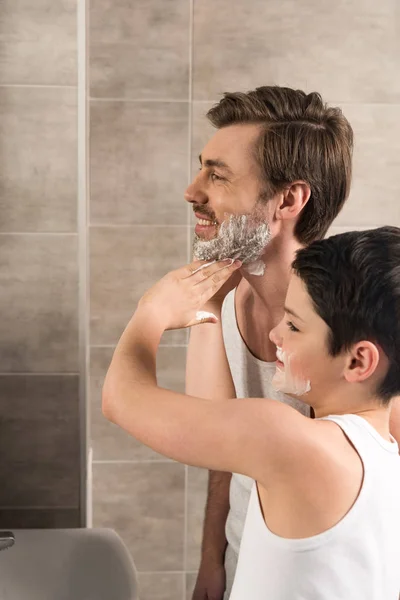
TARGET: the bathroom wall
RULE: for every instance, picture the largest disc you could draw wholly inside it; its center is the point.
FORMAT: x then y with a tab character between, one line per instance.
39	364
155	68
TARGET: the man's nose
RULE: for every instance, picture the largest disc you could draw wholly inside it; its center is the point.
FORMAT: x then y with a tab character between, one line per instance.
195	194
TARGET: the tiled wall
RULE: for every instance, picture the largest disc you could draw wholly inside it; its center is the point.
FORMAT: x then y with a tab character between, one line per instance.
39	366
155	67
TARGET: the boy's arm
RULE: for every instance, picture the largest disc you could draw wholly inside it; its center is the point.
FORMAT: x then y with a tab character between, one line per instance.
255	437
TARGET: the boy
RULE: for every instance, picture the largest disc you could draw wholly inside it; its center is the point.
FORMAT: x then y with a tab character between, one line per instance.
323	519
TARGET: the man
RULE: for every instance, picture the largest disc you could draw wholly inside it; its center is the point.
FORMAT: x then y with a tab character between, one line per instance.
323	520
286	152
289	155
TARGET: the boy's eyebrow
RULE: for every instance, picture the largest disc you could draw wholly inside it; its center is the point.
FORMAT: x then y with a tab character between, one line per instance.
291	312
214	162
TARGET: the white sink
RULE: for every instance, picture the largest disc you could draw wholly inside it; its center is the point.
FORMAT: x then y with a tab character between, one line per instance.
67	564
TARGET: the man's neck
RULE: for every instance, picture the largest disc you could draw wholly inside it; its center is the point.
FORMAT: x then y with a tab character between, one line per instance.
260	300
268	291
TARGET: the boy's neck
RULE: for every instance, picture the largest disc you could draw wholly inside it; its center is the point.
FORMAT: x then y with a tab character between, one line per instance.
375	413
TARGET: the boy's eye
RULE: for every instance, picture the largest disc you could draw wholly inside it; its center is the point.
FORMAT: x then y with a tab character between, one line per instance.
291	326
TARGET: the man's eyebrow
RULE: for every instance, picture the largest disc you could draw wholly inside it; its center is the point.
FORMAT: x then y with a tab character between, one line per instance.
291	312
214	162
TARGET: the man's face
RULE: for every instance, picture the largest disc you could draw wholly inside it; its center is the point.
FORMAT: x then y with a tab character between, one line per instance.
304	367
228	186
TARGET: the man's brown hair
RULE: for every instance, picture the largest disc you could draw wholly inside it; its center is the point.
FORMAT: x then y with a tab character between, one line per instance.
301	139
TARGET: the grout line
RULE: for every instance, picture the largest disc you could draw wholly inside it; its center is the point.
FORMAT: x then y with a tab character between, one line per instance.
210	101
38	86
39	507
166	572
130	225
146	461
138	100
188	257
70	233
95	346
39	374
103	345
204	101
83	270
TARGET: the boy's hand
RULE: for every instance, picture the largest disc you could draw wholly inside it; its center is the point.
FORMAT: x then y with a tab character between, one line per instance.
177	299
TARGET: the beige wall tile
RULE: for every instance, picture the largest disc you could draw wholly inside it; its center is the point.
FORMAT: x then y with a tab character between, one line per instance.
138	163
126	261
38	42
109	441
144	503
38	154
39	441
196	500
139	49
374	194
39	303
160	586
347	51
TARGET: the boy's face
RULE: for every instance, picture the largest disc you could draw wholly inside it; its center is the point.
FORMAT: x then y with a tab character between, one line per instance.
304	367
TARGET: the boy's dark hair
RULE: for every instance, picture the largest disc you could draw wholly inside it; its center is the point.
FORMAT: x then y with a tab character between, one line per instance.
353	280
301	139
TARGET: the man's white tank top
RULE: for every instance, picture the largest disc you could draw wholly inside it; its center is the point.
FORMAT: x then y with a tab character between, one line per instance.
356	559
252	378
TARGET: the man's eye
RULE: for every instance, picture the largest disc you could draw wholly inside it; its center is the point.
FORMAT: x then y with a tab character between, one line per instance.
291	326
215	177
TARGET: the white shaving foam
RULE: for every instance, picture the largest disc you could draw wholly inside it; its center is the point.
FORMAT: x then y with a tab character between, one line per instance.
203	314
255	268
204	266
285	380
242	237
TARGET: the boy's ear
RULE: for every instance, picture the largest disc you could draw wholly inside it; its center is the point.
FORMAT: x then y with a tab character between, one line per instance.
363	362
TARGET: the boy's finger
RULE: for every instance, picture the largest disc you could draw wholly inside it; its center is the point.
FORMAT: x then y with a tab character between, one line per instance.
193	267
218	277
208	270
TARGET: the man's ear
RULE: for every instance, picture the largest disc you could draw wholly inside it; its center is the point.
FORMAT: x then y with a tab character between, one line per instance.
293	200
363	362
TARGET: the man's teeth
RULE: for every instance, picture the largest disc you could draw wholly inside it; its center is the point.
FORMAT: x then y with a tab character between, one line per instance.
205	222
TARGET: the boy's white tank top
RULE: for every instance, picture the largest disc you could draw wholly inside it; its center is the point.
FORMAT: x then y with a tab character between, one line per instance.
252	378
357	559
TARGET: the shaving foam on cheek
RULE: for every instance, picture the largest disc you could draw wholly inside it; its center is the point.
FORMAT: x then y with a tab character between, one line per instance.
285	380
242	237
